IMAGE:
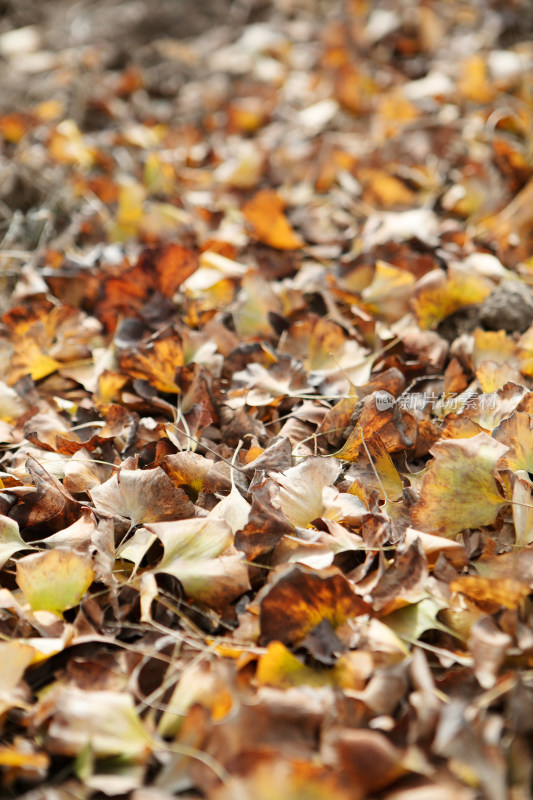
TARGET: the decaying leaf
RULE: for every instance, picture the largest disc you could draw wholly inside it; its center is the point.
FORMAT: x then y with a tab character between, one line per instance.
301	598
460	489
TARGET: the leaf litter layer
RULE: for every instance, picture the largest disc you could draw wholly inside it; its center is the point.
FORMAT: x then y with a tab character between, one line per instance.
266	514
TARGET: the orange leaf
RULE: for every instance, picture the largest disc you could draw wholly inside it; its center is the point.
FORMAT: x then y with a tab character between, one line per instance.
265	214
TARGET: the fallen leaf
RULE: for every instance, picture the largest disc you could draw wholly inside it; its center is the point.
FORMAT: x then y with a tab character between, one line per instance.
265	214
301	488
438	294
491	592
15	657
300	598
50	508
55	580
11	541
389	294
523	512
105	721
516	432
141	496
191	550
367	758
459	489
156	364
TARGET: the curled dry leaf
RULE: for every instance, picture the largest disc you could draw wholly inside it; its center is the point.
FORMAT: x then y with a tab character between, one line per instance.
50	508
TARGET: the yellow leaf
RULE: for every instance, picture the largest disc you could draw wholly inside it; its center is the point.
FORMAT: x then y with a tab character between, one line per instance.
459	489
475	83
54	580
389	293
438	294
516	432
506	592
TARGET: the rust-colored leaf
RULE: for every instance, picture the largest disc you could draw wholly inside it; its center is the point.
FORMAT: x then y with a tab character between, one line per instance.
300	599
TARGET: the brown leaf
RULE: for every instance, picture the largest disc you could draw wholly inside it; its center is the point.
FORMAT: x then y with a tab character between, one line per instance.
267	524
50	508
367	758
381	414
300	599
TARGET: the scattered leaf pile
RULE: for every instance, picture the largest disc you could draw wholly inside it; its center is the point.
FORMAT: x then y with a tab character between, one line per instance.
266	512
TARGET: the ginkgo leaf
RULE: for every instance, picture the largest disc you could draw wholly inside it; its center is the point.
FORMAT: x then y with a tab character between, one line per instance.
516	432
438	294
301	489
525	350
265	214
388	478
187	469
141	496
156	364
433	546
381	415
55	580
233	509
105	721
213	581
389	293
10	539
255	303
494	346
496	592
417	618
301	598
279	667
191	550
191	538
136	547
198	683
459	489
